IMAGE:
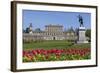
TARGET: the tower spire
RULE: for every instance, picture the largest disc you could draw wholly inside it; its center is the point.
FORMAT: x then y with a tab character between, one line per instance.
30	25
30	28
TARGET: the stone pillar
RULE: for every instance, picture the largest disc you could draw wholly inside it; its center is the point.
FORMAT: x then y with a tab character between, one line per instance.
81	35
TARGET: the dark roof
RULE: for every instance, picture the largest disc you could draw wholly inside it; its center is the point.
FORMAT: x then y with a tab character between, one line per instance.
38	30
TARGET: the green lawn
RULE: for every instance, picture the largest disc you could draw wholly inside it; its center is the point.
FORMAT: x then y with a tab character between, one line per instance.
59	44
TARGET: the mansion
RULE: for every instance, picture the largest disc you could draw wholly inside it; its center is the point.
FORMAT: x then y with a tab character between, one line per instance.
51	32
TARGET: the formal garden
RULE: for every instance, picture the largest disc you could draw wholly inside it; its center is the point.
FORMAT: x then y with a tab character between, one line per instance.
55	50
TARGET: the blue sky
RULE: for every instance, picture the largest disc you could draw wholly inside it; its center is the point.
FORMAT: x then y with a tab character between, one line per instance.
41	18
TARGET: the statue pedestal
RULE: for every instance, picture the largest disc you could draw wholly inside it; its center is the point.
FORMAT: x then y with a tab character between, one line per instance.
81	35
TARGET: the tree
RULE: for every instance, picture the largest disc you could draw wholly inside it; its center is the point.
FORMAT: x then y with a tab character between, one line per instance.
88	34
23	31
76	31
27	30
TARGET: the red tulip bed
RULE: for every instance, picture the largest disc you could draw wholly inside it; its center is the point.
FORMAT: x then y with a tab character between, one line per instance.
38	55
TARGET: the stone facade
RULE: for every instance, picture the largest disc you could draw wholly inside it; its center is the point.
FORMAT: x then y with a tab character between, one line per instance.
51	32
